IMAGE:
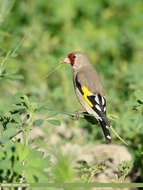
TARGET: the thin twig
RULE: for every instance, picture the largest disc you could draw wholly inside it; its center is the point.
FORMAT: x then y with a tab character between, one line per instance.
53	71
81	115
116	134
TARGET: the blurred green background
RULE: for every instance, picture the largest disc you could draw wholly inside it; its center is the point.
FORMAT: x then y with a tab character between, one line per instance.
109	32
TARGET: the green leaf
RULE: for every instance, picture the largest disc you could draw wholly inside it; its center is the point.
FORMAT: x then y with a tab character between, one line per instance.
16	117
3	139
22	151
9	132
16	107
38	122
5	164
54	122
52	113
18	95
139	95
11	129
15	77
18	167
35	164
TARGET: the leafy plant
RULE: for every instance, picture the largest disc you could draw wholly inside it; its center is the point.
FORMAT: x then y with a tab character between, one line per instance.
34	36
124	169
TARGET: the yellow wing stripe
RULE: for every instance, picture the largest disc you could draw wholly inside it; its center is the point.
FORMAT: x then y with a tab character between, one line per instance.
86	93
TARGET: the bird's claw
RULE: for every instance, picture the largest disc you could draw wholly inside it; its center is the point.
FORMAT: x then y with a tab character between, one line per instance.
77	114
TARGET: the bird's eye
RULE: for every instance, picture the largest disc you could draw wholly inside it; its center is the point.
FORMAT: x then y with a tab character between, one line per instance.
72	57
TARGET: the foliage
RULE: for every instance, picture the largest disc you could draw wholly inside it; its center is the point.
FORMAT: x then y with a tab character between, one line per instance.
19	160
124	168
87	172
34	36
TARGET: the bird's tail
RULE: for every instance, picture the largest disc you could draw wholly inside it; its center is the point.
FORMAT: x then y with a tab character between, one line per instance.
105	124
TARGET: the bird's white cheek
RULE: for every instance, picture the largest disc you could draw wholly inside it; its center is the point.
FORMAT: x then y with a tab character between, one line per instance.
76	66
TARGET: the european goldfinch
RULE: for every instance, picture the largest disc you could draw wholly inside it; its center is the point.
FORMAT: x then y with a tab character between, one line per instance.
89	89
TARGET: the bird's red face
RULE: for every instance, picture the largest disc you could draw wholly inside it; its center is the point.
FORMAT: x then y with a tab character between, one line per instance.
72	57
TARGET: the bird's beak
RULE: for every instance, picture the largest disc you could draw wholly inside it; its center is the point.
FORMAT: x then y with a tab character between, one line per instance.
65	60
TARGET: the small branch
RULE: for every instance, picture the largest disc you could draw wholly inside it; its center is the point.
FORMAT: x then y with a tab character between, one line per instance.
116	134
81	115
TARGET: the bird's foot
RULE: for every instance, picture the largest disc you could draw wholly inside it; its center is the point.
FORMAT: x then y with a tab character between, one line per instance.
78	112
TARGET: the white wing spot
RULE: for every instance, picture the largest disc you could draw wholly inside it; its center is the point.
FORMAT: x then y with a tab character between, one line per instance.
97	107
108	137
103	101
100	118
107	127
104	109
97	99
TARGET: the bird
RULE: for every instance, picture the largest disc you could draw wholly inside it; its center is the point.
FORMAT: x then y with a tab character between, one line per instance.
89	89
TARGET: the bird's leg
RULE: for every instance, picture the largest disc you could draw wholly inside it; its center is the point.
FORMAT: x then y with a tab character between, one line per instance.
78	112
